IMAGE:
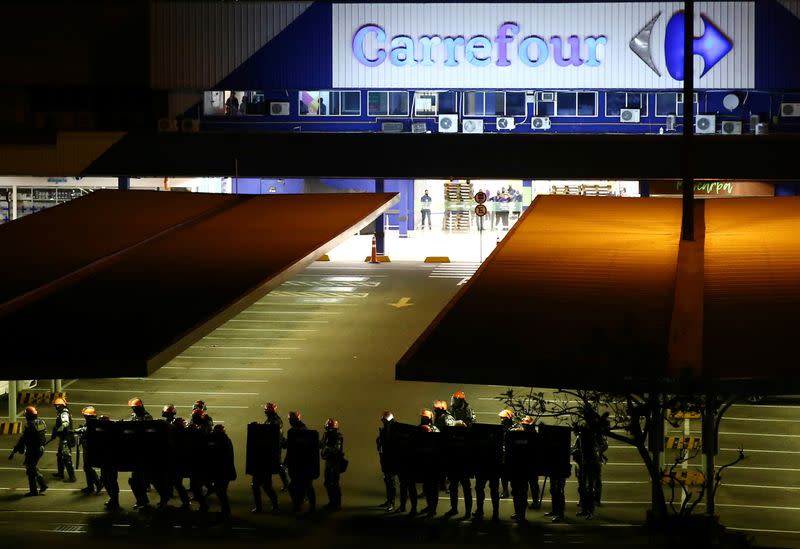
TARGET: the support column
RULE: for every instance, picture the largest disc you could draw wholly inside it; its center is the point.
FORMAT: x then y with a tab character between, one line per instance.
656	444
57	386
709	441
124	183
687	164
12	401
13	202
379	233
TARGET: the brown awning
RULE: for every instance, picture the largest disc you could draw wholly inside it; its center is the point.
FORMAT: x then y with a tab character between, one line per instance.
589	292
118	283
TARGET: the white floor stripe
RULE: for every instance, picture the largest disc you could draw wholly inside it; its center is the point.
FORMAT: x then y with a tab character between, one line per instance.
265	330
245	347
57	512
306	303
192	357
219	369
763	530
258	338
159	392
125	405
283	321
759	419
729	433
195	380
790	406
291	312
724	484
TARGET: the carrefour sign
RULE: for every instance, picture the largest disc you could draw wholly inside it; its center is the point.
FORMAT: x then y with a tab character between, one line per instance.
592	45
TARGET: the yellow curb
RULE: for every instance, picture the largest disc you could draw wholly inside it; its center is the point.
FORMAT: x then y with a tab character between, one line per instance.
10	428
324	257
381	259
437	259
38	397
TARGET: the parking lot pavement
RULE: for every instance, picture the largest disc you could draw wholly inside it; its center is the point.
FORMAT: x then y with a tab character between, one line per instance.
326	343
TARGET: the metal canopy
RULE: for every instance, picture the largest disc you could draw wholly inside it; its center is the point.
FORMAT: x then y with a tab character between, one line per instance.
119	282
599	292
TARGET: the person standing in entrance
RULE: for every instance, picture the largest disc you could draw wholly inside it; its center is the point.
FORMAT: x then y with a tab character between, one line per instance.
426	209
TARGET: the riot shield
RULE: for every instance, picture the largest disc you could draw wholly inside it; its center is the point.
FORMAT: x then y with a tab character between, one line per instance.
401	446
302	453
520	452
102	439
456	451
189	448
143	446
263	449
426	456
553	457
486	449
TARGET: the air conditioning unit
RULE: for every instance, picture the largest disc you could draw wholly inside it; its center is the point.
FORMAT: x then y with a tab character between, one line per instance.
547	96
670	122
629	115
730	127
790	109
762	128
448	123
167	125
190	125
419	127
540	123
705	123
392	127
505	123
280	108
754	120
471	125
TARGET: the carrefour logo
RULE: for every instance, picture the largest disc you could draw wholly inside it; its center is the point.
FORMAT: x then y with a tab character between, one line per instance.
712	46
478	50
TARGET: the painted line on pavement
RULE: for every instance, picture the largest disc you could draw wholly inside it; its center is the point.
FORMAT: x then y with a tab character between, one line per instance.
125	405
244	347
763	530
160	392
259	338
283	321
760	419
291	312
790	406
304	303
194	380
57	512
192	357
218	368
723	485
267	329
729	433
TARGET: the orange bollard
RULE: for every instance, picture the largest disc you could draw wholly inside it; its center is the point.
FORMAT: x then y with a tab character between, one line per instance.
374	256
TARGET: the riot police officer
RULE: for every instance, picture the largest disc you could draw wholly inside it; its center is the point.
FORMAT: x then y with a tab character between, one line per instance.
528	424
301	484
265	482
432	475
460	409
138	481
63	431
507	421
201	421
332	451
458	473
441	417
387	460
207	419
168	412
93	483
223	469
31	443
109	477
178	465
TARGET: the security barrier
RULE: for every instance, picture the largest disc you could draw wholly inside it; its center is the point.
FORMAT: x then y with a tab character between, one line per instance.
10	427
674	414
686	478
38	397
677	443
437	259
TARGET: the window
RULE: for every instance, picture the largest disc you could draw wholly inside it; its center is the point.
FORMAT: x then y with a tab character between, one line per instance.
616	101
576	103
671	103
447	103
494	103
426	103
329	103
232	103
545	104
387	103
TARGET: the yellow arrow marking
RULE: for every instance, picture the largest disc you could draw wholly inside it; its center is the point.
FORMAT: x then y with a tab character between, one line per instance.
402	302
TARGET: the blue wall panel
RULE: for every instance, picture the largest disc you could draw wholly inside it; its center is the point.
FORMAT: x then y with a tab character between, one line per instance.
777	62
300	56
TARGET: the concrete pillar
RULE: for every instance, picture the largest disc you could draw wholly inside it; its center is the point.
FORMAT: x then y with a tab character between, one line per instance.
12	400
124	183
380	235
13	202
56	385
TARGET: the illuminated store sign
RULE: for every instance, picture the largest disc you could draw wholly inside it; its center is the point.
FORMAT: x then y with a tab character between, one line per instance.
478	50
591	45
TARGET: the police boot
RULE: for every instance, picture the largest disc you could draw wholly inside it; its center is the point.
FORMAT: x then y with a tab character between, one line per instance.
256	498
32	487
70	472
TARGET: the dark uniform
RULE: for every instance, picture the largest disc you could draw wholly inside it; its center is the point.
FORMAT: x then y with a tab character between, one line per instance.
93	483
177	467
507	422
461	410
332	451
441	419
301	484
66	440
31	443
138	481
265	482
223	469
109	477
388	466
533	479
432	476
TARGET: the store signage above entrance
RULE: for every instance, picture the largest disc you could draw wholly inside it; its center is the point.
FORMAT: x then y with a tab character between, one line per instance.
524	46
714	189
